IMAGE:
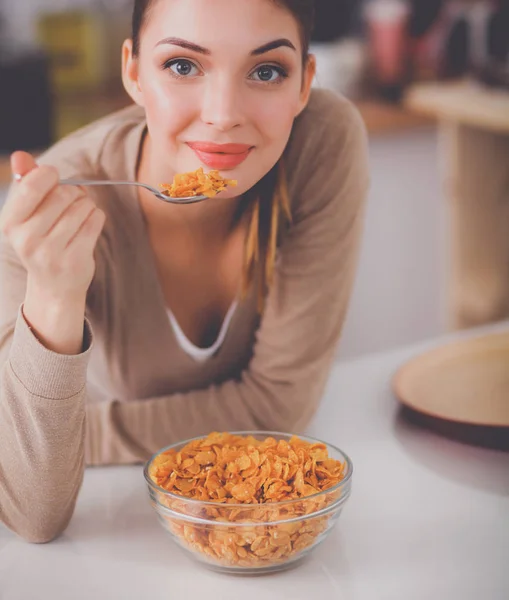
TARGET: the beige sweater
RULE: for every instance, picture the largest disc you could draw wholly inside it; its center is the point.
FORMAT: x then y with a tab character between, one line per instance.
134	390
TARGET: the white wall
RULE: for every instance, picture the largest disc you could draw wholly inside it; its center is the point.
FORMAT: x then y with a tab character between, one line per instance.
399	295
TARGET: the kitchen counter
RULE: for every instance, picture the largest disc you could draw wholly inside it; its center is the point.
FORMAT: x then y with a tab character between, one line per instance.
428	519
463	102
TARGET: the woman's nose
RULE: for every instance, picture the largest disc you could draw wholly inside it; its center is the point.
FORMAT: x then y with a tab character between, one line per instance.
222	104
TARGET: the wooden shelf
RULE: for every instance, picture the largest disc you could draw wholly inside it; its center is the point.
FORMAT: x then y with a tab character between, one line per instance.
463	102
383	118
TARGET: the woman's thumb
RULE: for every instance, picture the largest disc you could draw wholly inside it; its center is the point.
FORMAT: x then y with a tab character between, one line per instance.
22	163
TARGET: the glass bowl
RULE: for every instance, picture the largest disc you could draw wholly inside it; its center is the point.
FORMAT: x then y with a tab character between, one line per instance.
251	538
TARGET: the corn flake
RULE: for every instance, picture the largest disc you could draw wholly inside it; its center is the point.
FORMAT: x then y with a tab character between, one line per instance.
255	476
197	183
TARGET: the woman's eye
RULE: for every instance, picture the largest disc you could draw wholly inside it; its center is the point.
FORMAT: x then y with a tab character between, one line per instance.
182	68
269	74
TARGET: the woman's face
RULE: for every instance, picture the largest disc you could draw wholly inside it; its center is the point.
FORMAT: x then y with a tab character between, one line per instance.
221	83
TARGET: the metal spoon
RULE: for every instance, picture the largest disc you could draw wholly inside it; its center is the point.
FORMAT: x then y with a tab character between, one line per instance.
157	193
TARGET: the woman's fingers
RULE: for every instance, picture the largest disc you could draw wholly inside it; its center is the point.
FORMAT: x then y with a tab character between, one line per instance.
70	223
26	195
55	205
22	163
86	237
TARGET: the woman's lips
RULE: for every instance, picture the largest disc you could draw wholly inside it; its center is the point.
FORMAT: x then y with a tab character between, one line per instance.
221	156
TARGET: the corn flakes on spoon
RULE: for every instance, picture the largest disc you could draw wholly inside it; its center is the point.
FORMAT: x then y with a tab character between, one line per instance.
187	188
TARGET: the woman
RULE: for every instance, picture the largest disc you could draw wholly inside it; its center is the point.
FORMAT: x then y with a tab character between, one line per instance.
216	316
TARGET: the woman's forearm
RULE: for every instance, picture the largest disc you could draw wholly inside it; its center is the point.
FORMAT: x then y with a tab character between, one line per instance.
42	434
56	322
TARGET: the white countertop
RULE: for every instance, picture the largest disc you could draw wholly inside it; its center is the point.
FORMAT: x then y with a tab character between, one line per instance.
428	519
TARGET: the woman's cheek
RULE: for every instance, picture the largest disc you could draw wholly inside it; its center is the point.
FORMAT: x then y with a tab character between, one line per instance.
169	103
170	113
275	117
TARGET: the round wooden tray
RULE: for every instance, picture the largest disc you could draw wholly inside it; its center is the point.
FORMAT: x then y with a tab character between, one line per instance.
464	382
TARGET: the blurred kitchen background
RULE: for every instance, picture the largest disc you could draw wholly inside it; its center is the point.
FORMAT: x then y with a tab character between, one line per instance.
420	71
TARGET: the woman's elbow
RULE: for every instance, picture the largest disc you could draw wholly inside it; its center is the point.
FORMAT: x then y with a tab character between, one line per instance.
42	534
40	527
295	420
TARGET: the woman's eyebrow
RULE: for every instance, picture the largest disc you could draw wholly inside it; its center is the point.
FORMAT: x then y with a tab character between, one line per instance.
280	43
174	41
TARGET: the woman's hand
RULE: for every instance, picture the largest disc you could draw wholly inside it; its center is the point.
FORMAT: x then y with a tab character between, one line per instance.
54	230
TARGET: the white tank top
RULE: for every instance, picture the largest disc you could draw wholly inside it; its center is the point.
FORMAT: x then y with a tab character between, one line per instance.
202	354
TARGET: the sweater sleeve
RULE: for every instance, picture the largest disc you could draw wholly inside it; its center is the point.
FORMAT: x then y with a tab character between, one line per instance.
42	418
297	339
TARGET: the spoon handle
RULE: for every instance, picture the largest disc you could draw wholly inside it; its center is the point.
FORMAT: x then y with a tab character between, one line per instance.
97	182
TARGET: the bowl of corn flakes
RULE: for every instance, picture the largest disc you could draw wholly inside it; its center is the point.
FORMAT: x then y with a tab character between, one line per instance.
249	502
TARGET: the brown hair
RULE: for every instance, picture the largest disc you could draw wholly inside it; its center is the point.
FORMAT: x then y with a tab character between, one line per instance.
269	199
